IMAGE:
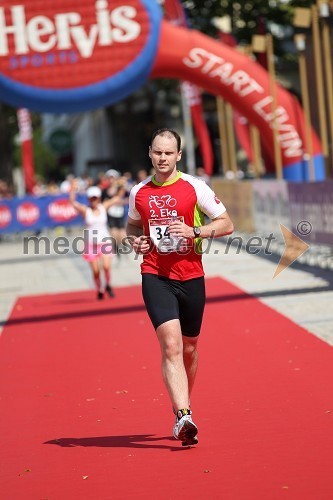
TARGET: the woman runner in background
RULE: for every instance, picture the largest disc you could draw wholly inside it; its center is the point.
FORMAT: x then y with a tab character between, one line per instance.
95	216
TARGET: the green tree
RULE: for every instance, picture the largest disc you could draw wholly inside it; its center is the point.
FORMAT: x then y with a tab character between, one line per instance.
201	12
248	17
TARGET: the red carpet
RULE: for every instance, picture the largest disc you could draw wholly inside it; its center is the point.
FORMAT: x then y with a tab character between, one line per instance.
85	414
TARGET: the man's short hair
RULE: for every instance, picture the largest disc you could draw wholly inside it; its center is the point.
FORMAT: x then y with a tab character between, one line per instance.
168	132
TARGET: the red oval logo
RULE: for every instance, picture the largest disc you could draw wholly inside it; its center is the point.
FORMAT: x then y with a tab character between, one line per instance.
27	213
67	44
61	211
5	216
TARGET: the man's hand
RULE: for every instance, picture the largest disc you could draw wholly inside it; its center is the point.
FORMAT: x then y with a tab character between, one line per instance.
178	228
141	244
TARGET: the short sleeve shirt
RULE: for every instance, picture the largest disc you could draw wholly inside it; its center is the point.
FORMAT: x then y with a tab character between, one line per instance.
185	198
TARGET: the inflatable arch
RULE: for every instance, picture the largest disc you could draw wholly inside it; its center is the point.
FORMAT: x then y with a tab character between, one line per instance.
77	56
222	70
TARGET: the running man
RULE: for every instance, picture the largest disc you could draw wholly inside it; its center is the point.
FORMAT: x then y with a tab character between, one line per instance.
166	225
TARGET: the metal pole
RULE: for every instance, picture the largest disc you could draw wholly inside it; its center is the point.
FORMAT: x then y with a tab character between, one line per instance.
231	138
319	79
254	131
221	119
300	44
272	85
256	148
324	13
188	132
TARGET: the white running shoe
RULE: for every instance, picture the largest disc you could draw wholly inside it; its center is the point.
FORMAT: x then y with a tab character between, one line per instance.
185	430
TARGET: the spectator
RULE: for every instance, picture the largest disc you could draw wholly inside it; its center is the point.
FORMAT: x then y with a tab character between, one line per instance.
65	186
102	181
141	175
40	188
5	191
129	180
201	174
52	188
117	212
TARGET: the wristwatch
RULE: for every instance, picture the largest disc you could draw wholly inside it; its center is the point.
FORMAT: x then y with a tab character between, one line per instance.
197	231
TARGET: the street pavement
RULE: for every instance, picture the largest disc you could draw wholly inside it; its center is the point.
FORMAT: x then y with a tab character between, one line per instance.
302	293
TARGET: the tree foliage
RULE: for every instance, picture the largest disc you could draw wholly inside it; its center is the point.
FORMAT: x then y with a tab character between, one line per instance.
248	17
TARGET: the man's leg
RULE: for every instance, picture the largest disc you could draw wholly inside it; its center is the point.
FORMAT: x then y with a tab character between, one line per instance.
173	369
190	356
163	309
191	309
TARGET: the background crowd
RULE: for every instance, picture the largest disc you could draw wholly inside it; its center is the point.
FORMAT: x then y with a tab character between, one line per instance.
110	180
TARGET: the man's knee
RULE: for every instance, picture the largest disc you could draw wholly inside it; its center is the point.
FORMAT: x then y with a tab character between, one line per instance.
172	349
189	347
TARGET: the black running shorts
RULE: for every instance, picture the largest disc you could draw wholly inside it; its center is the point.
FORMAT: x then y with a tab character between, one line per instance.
167	299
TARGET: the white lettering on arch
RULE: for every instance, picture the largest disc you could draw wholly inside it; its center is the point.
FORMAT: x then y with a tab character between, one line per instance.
243	85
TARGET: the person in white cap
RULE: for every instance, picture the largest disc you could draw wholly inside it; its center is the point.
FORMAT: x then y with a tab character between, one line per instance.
98	245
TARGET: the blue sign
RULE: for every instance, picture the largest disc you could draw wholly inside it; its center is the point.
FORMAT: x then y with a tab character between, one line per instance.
33	214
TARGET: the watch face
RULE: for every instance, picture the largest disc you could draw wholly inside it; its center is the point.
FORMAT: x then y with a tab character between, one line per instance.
197	231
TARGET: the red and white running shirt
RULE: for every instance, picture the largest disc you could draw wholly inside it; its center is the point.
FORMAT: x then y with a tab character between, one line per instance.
185	198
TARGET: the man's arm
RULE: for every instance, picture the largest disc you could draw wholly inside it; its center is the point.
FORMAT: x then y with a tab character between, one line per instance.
221	226
134	231
108	203
79	207
134	227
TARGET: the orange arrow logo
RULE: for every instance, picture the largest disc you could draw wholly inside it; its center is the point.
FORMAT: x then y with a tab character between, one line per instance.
295	247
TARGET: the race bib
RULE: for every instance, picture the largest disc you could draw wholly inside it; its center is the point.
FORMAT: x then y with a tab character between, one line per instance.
165	242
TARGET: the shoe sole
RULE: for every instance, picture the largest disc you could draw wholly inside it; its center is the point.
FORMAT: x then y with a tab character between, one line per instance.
188	434
192	442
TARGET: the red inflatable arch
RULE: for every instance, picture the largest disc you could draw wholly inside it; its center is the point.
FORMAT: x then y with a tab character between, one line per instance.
189	55
71	56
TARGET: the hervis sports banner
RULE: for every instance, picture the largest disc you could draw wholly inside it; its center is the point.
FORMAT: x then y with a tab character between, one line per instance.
75	55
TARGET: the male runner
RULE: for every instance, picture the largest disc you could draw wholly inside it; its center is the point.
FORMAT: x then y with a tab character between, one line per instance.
166	224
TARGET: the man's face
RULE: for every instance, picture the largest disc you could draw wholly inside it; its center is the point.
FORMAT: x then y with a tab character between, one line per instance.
164	155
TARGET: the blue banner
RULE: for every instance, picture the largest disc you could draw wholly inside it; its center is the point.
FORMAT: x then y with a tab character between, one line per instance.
33	214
